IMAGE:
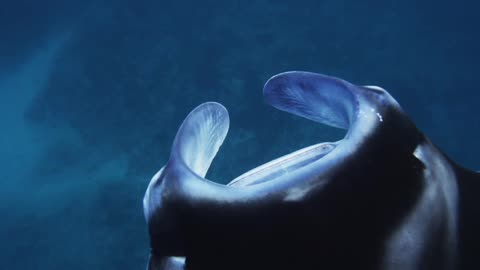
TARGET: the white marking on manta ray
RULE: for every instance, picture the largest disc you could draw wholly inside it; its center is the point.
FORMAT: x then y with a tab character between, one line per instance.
369	118
296	193
380	118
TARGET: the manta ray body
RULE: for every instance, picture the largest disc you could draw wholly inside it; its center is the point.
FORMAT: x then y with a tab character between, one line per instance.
383	197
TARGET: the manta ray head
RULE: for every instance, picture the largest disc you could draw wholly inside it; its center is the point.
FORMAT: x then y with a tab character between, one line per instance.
367	200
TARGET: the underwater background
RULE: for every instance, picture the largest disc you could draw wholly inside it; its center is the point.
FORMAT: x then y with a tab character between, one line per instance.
92	93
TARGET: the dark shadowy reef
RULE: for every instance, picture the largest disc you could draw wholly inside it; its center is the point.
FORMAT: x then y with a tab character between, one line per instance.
126	73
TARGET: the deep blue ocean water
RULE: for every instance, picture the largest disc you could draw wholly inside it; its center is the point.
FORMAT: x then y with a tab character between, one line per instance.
92	93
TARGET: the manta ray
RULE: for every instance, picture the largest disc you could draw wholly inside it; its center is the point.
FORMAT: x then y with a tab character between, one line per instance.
383	197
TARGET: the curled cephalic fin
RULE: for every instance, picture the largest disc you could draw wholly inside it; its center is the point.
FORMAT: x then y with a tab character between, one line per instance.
200	136
317	97
331	101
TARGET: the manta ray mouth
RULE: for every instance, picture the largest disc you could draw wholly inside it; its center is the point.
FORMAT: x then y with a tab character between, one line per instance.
283	165
322	99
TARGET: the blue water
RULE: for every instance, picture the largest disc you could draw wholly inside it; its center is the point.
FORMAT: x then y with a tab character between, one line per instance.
92	93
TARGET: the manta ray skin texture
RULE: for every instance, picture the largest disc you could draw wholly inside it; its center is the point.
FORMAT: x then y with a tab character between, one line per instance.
383	197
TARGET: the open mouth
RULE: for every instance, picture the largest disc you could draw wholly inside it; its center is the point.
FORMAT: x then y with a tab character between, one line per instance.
322	99
319	98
